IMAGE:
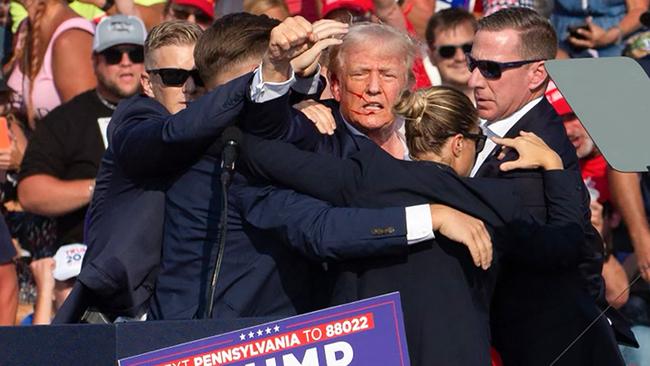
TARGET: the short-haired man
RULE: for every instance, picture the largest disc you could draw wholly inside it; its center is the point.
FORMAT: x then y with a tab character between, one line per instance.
125	217
57	176
449	34
535	316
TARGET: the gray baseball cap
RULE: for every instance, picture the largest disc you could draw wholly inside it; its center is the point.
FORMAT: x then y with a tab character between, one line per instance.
118	29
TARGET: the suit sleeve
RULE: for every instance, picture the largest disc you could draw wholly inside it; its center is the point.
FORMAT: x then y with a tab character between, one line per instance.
322	176
321	231
560	241
148	141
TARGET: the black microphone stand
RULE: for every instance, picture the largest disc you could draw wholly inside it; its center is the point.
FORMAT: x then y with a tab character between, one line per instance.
227	168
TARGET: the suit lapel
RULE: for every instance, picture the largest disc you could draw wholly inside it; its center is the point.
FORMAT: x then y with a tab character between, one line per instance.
490	166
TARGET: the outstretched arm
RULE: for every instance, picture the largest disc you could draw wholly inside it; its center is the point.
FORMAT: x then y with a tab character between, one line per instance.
323	176
149	141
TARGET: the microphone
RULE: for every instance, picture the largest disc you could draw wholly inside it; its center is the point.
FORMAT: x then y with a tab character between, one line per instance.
645	19
230	140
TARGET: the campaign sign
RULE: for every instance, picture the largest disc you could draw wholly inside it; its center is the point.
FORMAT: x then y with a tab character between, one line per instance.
366	332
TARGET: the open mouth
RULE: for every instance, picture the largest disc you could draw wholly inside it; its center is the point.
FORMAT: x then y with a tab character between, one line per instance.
373	107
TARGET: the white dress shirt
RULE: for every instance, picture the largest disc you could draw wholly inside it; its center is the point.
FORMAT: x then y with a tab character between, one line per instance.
499	129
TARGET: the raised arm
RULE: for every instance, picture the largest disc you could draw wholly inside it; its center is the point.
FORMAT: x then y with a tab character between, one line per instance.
149	141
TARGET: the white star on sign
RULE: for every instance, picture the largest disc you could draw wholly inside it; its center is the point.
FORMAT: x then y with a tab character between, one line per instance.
268	330
276	329
259	332
242	336
251	335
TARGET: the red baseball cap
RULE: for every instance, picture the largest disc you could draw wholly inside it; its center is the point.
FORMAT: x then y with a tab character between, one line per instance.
363	6
206	6
557	100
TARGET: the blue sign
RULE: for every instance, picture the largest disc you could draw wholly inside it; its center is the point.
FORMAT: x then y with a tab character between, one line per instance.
366	332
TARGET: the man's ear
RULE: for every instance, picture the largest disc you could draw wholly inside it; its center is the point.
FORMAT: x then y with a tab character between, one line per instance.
335	86
145	82
537	75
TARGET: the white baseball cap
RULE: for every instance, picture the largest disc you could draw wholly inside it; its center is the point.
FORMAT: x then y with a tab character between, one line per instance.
68	261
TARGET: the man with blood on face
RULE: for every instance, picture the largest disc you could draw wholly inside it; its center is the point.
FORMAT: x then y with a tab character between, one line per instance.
368	73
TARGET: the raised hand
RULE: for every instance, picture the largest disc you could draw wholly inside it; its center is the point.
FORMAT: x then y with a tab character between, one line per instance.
319	114
298	44
533	153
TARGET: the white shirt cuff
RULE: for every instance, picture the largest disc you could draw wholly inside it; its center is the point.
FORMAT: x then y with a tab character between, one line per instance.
418	224
308	85
262	91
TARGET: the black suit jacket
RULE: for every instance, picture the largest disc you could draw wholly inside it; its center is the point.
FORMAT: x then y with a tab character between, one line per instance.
536	315
445	297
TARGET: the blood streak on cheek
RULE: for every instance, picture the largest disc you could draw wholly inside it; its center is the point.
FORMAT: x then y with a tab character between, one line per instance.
360	96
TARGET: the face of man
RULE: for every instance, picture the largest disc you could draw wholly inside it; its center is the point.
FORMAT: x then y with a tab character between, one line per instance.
190	13
499	98
174	97
578	135
118	71
370	82
452	68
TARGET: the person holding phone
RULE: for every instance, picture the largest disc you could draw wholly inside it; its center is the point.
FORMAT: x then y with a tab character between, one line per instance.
595	25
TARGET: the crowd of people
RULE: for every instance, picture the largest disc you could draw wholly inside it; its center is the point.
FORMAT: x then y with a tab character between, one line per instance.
410	146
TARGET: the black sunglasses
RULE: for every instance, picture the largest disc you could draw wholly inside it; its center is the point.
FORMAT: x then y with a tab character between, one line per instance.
113	55
177	77
449	51
182	13
492	69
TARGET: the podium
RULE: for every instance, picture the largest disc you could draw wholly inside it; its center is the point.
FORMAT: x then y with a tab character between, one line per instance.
99	345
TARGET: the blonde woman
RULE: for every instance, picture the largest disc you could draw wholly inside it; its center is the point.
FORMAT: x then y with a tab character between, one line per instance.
52	60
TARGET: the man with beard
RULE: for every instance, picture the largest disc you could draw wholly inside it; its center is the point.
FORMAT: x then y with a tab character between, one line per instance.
57	176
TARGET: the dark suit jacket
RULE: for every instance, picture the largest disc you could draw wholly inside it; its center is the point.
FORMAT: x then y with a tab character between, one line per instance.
536	315
147	146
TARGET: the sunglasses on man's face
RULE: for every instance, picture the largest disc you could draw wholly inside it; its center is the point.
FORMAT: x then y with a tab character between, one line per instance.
182	13
113	55
177	77
492	69
449	51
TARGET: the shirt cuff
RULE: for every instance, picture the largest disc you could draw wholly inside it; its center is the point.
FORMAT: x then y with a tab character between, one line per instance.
262	91
418	224
308	85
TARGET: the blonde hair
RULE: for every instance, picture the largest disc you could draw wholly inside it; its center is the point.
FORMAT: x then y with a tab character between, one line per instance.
170	33
28	56
433	115
379	35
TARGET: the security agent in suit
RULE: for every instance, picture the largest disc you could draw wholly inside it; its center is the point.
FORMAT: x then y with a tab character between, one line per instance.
535	315
126	215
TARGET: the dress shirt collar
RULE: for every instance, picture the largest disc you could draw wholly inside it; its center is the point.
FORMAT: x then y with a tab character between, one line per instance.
501	127
400	133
